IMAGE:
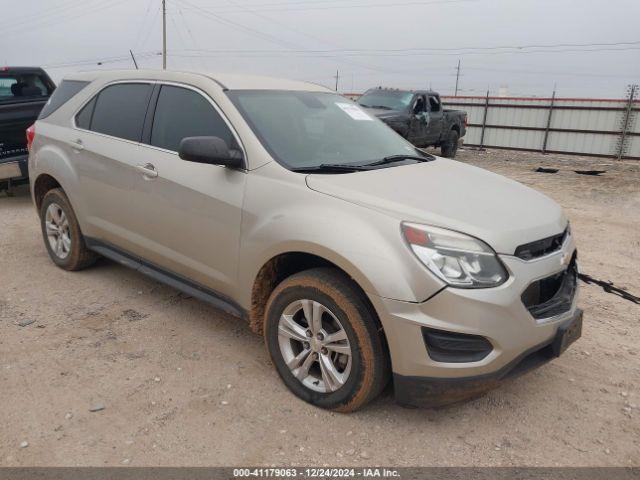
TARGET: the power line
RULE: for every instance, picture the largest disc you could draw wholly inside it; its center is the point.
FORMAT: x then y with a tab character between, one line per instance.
141	29
419	50
100	60
342	6
312	37
36	26
153	22
43	14
388	53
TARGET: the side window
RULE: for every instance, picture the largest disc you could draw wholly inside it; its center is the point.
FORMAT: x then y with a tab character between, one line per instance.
61	95
83	118
419	106
434	103
120	109
181	113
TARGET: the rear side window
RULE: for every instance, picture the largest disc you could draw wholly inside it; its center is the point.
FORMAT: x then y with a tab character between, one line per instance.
181	113
22	86
120	110
61	95
435	104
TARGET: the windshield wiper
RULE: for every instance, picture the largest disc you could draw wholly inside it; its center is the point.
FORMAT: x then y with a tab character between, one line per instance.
399	158
327	167
381	107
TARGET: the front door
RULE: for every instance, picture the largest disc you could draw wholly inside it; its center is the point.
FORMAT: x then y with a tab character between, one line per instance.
419	122
436	120
188	214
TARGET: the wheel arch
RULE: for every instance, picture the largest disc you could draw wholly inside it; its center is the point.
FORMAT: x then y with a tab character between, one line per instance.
43	184
283	265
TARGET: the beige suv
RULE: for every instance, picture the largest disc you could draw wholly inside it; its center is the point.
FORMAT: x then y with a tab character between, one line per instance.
357	256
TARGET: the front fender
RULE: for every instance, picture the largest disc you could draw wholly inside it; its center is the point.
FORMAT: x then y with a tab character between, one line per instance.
364	243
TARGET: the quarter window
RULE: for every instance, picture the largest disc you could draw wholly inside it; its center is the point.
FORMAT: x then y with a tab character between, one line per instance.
120	110
83	118
181	113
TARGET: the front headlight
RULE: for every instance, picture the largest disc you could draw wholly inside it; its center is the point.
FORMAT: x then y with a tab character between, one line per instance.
458	259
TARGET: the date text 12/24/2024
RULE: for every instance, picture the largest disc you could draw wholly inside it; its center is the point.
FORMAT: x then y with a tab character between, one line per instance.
315	472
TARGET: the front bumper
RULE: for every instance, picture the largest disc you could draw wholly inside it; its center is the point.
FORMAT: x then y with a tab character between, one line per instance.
14	168
519	341
436	392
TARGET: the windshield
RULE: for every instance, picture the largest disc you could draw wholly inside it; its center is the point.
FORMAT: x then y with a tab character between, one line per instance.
386	99
312	129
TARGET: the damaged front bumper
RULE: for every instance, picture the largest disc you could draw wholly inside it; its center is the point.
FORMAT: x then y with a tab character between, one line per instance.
437	392
462	342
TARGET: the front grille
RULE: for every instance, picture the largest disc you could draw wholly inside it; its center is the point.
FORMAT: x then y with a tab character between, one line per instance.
553	295
543	247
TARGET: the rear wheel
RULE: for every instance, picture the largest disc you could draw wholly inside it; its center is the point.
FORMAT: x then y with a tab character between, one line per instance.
324	340
449	147
61	233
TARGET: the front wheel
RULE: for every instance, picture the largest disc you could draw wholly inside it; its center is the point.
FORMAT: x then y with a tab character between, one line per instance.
449	147
324	341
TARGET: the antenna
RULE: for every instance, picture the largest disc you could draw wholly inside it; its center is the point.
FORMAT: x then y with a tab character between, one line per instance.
134	59
457	78
337	77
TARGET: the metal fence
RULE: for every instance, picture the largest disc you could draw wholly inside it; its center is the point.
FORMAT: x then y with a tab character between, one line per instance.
575	126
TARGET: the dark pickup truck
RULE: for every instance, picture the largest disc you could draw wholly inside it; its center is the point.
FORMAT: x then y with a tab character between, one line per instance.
24	91
417	115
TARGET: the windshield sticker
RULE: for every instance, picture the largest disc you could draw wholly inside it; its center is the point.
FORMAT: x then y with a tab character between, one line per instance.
354	111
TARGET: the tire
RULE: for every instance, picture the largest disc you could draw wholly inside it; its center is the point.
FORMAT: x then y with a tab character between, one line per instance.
450	146
67	248
347	314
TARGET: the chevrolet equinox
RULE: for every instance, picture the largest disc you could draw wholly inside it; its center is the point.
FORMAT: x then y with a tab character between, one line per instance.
358	257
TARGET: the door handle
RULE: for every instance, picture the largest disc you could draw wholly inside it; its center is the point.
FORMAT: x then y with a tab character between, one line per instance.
148	170
78	146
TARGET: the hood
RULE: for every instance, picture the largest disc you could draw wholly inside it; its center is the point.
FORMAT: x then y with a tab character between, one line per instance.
449	194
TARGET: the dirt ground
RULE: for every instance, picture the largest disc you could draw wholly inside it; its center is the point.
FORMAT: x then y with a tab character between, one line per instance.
183	384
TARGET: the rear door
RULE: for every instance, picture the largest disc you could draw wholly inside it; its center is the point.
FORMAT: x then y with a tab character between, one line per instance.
187	215
436	120
106	150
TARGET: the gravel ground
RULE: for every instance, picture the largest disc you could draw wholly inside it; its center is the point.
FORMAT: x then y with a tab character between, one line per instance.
176	382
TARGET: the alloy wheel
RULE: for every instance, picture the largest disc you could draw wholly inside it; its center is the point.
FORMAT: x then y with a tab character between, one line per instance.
58	232
314	346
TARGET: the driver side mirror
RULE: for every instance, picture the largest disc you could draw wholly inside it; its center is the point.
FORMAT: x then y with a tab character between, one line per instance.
423	117
210	150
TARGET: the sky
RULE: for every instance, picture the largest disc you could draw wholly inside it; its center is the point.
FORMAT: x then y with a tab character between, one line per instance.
582	48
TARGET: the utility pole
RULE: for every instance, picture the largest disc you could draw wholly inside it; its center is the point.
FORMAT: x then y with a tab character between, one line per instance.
134	59
164	34
457	78
337	78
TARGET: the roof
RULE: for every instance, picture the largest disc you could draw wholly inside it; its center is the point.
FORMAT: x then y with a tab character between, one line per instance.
387	89
224	80
5	69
